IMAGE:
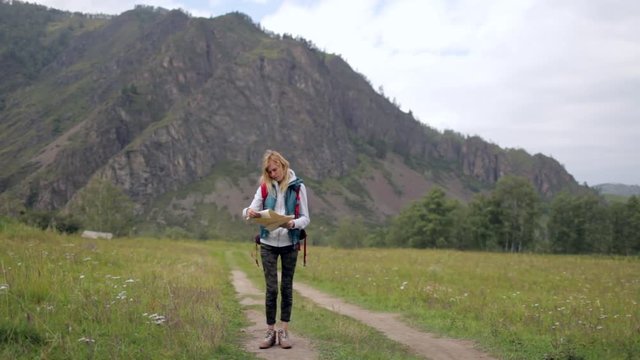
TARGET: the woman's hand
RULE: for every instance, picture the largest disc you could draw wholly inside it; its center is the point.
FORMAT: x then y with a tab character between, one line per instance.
252	213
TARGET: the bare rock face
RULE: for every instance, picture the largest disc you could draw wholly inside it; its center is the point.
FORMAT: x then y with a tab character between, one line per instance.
157	102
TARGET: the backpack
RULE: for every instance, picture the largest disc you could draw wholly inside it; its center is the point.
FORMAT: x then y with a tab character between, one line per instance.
303	233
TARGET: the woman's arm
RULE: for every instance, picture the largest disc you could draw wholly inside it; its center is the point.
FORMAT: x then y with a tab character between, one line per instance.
256	204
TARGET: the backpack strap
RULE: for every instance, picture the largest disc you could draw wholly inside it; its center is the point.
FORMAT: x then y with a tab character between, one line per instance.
265	193
303	234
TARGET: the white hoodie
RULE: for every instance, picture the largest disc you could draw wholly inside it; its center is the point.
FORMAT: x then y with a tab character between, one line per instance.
279	237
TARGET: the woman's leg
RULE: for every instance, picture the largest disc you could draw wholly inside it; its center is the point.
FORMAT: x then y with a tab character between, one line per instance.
286	286
270	269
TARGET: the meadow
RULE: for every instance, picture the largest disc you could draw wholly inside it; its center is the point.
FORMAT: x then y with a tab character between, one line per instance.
518	306
67	297
64	297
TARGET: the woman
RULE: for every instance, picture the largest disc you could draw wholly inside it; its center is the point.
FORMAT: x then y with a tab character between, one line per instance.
286	195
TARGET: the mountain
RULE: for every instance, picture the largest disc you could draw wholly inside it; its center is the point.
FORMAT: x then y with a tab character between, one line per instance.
177	111
618	189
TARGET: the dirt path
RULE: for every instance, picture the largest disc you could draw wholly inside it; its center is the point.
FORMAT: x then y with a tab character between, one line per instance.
421	343
249	295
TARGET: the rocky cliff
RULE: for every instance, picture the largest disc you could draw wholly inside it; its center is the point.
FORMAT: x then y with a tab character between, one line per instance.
177	111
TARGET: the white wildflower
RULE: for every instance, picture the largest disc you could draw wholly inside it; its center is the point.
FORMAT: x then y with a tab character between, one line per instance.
4	286
404	284
86	340
157	319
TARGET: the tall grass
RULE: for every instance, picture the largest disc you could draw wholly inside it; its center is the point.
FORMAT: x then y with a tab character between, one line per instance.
67	297
520	306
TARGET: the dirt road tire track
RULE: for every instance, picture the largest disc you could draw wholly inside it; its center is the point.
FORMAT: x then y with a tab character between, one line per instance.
249	295
421	343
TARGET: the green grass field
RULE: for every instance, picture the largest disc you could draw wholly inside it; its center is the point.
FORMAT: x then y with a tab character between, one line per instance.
67	297
518	306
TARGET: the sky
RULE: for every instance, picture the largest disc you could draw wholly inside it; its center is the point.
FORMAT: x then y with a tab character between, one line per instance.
560	78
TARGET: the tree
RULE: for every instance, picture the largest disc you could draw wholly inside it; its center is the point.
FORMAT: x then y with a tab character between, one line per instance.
350	233
520	211
561	227
102	206
485	220
579	224
620	240
633	230
425	224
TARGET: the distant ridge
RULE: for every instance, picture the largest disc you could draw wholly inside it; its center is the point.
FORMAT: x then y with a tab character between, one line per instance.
618	189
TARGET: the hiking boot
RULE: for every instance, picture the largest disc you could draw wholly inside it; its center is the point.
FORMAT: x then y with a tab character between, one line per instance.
269	339
283	339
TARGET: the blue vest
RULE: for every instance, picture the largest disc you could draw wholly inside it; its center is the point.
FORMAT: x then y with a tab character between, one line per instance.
290	202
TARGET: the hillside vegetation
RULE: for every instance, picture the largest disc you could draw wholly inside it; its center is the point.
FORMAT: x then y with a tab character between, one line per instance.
176	111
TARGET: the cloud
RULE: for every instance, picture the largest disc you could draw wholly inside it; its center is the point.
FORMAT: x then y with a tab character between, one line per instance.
117	7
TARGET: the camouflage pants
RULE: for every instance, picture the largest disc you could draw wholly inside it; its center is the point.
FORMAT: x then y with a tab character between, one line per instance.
288	257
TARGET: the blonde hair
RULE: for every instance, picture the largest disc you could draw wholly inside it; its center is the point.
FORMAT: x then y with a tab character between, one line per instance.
276	157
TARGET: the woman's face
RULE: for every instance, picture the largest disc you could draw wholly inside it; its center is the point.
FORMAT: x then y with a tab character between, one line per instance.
275	171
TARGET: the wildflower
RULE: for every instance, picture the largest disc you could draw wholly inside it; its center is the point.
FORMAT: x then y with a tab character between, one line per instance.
4	286
86	259
129	280
122	295
86	340
157	319
404	284
81	276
